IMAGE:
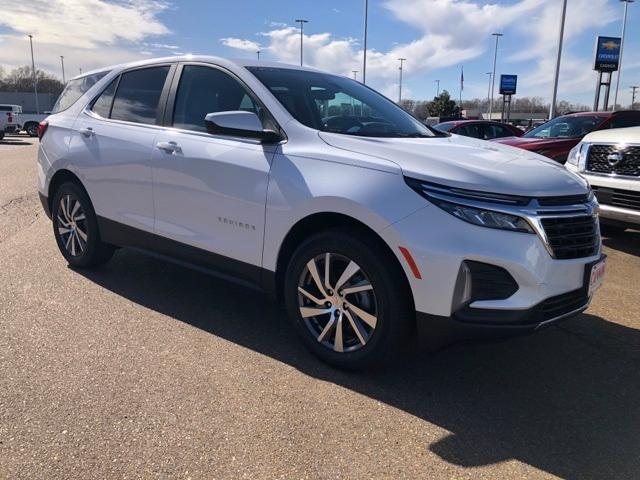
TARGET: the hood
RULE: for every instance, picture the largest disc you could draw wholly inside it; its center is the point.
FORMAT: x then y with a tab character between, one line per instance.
468	163
616	135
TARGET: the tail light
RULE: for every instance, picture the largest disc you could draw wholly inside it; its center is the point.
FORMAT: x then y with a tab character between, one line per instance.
42	129
10	119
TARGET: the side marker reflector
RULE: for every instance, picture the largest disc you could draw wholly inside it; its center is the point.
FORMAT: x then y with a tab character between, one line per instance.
411	262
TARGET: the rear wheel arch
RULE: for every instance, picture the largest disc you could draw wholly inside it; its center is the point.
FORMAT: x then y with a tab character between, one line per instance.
322	222
59	178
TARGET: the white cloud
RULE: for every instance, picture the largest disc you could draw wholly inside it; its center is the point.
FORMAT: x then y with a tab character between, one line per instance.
89	33
241	44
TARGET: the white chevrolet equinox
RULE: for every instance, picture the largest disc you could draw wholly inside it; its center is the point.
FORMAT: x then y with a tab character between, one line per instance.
362	221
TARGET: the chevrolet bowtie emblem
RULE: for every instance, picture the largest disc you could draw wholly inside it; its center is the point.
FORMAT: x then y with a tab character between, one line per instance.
610	45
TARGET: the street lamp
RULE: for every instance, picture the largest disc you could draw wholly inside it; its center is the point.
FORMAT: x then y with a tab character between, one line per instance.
258	53
402	60
364	53
301	21
437	88
633	96
355	74
64	81
493	75
489	88
624	28
552	110
33	70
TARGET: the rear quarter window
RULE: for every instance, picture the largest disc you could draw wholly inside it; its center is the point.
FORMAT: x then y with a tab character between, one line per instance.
75	89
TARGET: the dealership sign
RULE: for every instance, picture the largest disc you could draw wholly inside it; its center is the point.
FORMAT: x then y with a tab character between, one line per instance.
508	84
607	54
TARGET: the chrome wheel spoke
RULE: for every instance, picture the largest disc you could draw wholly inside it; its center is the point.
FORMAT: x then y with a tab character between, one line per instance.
75	208
357	288
327	328
80	217
366	317
81	234
338	344
314	299
349	272
72	234
307	312
357	329
327	263
313	270
63	222
63	230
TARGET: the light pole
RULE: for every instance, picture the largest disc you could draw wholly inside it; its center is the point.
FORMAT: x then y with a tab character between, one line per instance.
33	71
301	21
64	81
364	53
493	75
402	60
355	74
633	96
437	88
489	88
258	53
552	110
624	28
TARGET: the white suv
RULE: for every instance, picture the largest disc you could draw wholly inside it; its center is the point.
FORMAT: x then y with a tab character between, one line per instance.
314	187
610	161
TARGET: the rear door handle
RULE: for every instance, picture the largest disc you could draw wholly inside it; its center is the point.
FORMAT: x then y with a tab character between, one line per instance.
87	132
169	147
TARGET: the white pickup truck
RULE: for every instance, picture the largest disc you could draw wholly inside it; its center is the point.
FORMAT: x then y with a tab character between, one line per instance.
29	122
9	119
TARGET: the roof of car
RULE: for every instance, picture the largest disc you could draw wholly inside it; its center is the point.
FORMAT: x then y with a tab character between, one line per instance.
462	122
242	62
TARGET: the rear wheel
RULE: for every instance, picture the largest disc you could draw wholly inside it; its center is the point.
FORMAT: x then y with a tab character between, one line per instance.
76	228
348	299
32	129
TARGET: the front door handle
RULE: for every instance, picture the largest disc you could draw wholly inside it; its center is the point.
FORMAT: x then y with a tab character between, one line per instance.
169	147
87	132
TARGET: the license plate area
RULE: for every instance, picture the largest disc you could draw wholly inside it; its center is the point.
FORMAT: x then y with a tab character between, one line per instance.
595	276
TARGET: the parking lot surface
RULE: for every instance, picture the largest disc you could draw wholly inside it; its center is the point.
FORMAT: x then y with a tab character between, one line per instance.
144	369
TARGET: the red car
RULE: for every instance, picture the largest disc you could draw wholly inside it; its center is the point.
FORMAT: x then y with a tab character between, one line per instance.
482	129
557	137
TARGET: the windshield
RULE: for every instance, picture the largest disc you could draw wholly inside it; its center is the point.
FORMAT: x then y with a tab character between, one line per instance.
444	127
566	127
337	104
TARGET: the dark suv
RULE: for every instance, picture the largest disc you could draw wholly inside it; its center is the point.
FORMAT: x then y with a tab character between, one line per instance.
557	137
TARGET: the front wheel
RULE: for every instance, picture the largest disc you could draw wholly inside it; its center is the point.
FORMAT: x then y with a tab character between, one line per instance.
348	299
31	129
75	227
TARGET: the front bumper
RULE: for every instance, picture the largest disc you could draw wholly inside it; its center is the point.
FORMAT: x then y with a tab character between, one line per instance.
621	215
439	243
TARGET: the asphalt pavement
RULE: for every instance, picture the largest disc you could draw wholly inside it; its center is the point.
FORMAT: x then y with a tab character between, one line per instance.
143	369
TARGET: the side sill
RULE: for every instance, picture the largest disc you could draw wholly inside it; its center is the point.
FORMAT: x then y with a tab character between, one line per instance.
205	261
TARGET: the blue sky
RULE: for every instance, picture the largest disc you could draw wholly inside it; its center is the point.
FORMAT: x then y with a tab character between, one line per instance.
436	36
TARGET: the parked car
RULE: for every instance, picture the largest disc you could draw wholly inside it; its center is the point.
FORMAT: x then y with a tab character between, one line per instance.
29	122
361	231
610	161
482	129
556	138
11	117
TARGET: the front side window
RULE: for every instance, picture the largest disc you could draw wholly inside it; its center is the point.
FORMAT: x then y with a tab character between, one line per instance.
204	90
566	127
469	131
337	104
138	95
75	89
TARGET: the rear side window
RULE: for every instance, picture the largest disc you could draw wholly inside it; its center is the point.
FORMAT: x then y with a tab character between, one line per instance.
102	104
138	95
75	89
624	121
204	90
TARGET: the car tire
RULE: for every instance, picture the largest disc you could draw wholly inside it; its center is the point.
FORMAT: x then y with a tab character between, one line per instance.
32	129
1	135
609	230
355	327
75	228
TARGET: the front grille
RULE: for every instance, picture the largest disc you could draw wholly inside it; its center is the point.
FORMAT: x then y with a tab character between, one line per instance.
563	201
617	197
572	237
598	161
559	305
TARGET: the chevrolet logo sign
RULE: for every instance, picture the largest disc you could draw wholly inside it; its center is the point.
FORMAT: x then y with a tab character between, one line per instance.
610	45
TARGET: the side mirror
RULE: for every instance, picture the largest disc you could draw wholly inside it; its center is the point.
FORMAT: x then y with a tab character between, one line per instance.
239	123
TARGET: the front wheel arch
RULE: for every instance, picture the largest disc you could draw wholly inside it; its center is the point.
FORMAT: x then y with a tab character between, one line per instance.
319	222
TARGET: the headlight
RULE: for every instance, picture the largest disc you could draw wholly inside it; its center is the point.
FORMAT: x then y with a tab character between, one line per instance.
454	201
578	156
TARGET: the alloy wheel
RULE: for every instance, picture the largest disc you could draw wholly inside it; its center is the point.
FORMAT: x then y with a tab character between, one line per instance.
339	305
72	225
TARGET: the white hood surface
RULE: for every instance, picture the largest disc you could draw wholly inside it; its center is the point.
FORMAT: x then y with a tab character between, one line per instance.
468	163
